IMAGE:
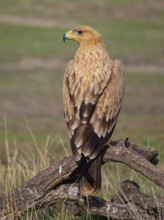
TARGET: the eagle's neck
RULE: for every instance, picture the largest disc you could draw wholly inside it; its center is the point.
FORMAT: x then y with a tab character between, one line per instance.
91	52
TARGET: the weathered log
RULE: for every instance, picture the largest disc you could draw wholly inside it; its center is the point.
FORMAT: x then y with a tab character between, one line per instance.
58	184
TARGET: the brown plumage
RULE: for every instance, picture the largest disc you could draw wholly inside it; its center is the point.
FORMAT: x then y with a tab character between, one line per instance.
93	89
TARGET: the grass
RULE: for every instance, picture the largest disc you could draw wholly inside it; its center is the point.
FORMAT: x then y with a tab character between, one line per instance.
32	42
32	62
18	41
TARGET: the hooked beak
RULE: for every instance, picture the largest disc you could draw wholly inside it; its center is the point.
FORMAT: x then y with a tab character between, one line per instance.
67	36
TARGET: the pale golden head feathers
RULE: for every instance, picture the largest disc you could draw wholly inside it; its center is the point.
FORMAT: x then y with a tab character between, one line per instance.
83	34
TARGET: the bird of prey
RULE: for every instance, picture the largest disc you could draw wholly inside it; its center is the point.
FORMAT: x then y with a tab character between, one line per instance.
93	88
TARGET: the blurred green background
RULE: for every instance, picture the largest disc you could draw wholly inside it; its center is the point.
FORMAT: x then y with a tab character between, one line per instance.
33	58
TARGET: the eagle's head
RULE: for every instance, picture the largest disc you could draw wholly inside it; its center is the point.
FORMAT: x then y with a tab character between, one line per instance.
83	34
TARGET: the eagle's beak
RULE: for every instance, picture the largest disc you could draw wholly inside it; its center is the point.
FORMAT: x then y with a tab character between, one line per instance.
67	36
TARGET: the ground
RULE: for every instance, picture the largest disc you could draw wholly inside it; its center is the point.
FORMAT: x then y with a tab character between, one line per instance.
32	62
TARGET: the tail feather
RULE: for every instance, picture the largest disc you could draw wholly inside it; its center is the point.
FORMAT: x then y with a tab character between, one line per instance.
90	182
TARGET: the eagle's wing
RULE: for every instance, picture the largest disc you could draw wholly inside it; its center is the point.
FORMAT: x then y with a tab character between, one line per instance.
91	114
108	107
68	99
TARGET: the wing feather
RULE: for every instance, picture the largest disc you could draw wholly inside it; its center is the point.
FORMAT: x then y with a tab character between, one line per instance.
109	104
92	106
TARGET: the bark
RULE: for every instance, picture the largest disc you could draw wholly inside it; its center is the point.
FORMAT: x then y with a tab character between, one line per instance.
57	187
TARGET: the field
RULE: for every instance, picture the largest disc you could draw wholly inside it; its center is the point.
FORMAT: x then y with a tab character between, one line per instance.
32	62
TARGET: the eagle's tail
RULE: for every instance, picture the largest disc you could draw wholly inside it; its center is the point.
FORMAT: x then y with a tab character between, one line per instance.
90	182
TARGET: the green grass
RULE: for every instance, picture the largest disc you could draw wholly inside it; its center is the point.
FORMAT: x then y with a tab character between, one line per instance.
23	41
124	40
134	35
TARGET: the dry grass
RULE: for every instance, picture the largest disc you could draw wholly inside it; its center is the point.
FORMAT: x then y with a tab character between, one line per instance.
19	169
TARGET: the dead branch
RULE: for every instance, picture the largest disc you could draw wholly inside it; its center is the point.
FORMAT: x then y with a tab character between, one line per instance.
57	184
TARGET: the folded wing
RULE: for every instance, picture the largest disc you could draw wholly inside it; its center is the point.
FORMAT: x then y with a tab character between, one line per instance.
91	114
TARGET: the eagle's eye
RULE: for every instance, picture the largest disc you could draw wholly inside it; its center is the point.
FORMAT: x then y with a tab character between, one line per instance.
80	32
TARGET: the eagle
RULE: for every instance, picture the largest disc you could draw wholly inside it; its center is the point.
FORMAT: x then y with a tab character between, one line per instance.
93	87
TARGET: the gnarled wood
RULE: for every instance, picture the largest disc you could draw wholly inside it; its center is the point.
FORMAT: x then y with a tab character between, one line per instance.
57	184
